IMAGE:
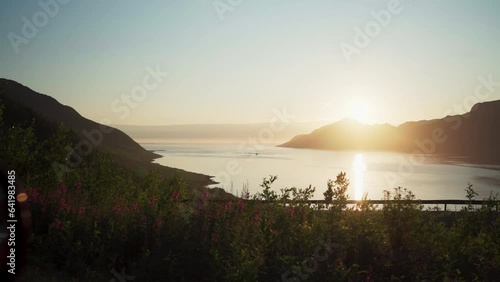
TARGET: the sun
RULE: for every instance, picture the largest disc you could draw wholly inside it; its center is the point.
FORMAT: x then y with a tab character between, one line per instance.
359	110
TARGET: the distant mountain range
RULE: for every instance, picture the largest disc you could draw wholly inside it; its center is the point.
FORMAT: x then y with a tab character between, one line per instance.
214	133
473	137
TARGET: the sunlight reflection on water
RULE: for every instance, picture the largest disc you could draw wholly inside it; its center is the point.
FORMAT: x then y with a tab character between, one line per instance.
368	171
359	167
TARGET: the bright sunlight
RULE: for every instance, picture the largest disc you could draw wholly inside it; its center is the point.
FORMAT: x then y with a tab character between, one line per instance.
359	110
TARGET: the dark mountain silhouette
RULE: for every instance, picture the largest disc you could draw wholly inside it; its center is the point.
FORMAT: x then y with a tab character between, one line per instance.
51	110
26	105
474	136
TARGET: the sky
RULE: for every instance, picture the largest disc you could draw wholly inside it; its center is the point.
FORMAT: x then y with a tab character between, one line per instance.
241	61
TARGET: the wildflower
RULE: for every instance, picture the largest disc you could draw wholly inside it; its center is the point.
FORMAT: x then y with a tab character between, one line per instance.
204	195
81	210
62	189
57	224
291	211
228	206
157	223
64	205
152	201
175	196
116	209
78	186
241	204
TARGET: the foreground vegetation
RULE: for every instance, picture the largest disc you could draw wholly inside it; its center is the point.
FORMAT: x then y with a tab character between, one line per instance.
97	220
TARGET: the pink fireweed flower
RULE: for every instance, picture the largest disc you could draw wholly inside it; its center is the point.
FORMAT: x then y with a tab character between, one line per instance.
81	210
204	195
291	211
241	204
152	201
63	205
116	209
57	224
78	186
174	196
228	206
62	189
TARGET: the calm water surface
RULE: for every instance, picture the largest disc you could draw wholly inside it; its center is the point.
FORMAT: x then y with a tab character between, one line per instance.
369	172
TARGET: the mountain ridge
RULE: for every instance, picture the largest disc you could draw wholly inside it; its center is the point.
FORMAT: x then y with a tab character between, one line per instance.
54	111
474	136
50	112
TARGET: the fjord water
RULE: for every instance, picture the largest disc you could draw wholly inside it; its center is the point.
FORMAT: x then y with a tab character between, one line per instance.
234	165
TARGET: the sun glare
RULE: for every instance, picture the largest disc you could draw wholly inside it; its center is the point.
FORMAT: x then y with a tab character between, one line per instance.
359	111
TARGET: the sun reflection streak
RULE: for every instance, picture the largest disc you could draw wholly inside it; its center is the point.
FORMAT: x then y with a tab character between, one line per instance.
359	167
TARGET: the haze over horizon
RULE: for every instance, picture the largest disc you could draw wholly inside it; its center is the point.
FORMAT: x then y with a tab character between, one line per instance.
258	57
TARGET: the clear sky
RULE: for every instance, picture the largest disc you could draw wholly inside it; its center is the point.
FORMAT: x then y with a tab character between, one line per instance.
237	65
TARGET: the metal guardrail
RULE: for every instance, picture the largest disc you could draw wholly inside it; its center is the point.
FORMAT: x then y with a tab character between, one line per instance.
434	202
379	202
